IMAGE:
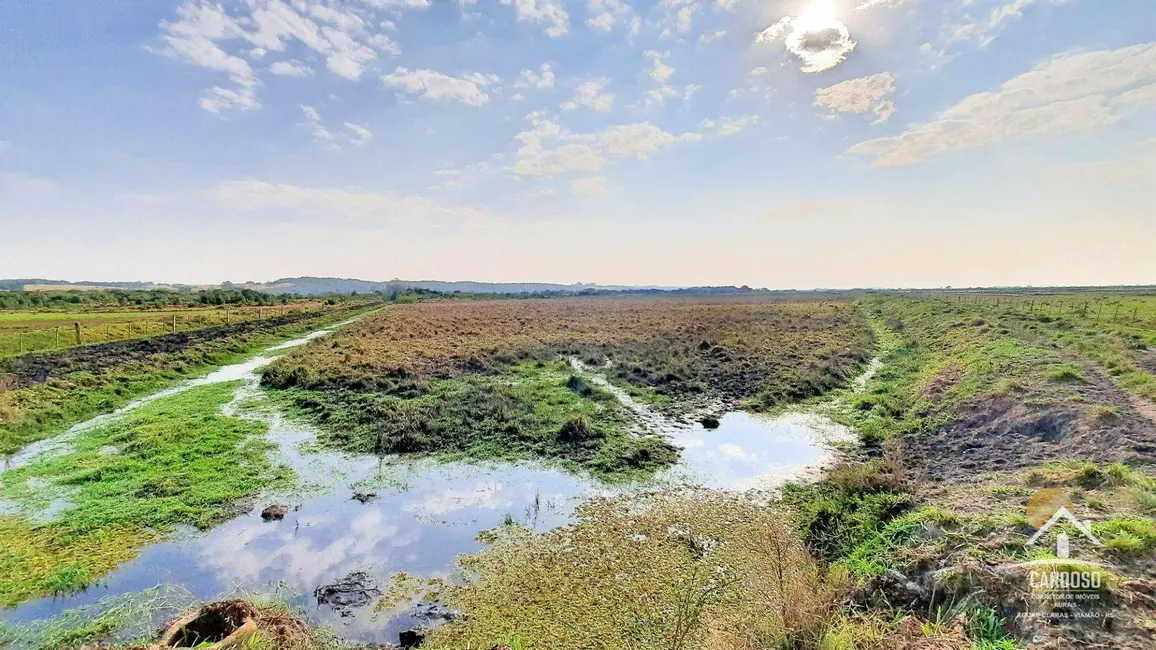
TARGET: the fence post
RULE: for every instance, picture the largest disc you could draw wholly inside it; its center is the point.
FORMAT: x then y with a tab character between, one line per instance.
20	341
174	323
78	335
108	331
57	337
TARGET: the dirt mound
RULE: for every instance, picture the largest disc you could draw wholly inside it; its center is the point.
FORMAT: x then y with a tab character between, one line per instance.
220	624
347	594
1009	434
275	512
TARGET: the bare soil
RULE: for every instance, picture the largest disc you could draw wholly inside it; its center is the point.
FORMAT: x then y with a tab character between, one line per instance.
1007	434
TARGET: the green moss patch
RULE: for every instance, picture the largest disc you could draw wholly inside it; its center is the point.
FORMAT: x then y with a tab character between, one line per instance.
529	410
173	461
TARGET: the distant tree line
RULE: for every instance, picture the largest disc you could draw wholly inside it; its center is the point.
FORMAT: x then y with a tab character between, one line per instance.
140	298
161	298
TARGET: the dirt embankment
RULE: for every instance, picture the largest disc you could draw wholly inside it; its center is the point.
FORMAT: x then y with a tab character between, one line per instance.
1012	433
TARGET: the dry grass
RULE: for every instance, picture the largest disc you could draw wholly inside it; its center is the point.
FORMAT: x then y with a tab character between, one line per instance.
694	569
678	347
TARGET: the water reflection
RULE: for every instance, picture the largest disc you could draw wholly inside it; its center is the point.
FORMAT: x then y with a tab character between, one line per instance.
423	515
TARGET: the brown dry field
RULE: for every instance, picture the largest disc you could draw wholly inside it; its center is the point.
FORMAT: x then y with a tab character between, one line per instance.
731	348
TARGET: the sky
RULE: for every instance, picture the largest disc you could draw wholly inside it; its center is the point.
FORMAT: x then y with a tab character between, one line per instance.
781	143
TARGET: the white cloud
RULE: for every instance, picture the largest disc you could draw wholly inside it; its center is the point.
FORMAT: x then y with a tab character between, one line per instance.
730	125
635	25
218	99
316	127
542	11
544	78
290	69
680	14
589	186
590	94
603	21
347	57
726	5
193	38
547	150
355	133
605	13
706	39
858	96
1141	95
1069	92
659	71
203	29
816	37
360	134
438	87
984	32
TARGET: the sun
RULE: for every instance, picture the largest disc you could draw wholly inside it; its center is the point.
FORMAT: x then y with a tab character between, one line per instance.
818	15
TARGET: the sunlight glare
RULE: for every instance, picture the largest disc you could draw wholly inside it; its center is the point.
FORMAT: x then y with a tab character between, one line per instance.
818	15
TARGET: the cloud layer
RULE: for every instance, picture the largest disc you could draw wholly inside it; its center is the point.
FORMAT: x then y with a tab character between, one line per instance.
1069	92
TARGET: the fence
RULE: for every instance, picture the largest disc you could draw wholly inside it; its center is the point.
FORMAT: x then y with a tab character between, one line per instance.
1131	315
22	341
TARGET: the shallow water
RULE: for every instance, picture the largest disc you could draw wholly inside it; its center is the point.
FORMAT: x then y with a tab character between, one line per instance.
425	514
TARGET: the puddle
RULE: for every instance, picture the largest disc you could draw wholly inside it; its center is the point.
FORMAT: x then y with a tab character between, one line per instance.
754	452
423	515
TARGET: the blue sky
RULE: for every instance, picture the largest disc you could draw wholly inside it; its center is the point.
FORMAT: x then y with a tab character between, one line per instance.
812	143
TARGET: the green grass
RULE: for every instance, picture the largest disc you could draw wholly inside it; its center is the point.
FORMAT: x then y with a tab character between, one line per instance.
70	396
529	410
173	461
128	616
1126	536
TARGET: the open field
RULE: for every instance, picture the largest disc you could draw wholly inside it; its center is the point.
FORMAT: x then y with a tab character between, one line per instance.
916	538
469	377
27	331
43	394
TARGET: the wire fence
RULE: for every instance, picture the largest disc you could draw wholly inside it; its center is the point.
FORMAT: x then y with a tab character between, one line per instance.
15	341
1139	314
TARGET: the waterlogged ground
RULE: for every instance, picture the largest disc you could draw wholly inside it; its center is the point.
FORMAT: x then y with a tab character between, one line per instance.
422	514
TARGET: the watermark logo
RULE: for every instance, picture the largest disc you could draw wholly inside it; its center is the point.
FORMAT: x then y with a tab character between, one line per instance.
1063	586
1049	507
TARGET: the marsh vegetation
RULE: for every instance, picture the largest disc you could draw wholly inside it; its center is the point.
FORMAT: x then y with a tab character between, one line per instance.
916	538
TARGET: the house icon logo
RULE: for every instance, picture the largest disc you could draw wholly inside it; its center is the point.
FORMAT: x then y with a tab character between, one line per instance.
1051	506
